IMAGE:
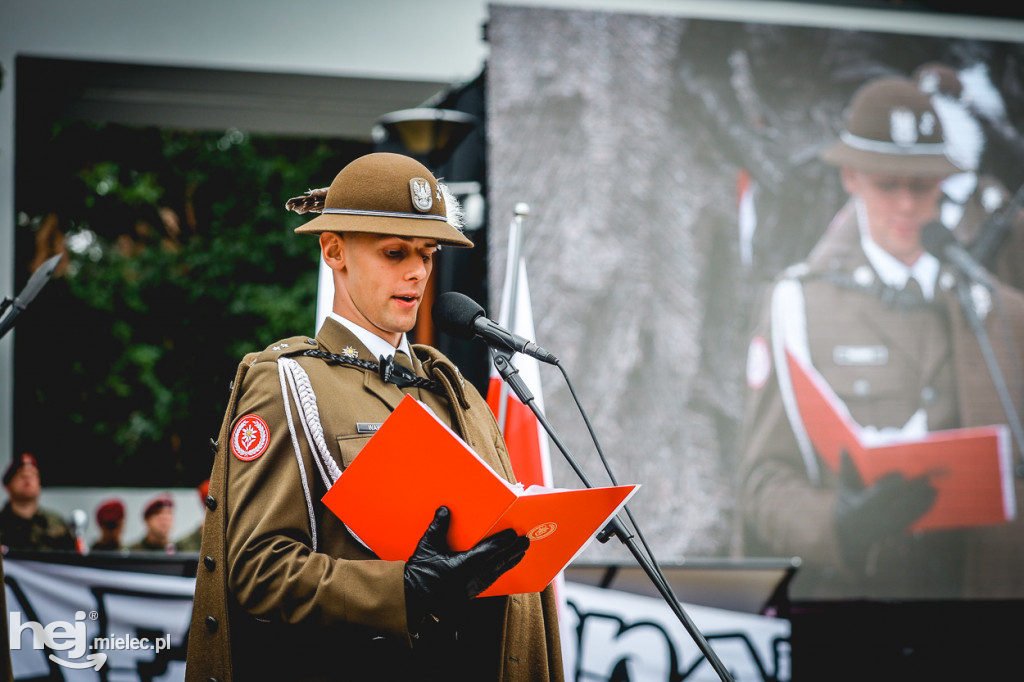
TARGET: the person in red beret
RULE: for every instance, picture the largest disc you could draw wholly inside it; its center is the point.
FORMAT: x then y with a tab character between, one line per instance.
159	518
192	541
110	519
23	523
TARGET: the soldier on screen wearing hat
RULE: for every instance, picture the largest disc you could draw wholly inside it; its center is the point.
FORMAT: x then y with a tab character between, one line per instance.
110	519
23	523
284	591
879	318
159	518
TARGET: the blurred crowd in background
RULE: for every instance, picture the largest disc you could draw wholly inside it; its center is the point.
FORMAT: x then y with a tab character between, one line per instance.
26	525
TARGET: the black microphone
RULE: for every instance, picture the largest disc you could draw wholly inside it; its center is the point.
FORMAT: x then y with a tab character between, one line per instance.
940	242
460	316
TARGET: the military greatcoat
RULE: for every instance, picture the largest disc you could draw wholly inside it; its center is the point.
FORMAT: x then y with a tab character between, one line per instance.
886	357
284	591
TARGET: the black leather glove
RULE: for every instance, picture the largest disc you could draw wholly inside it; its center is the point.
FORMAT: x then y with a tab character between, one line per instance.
865	515
439	581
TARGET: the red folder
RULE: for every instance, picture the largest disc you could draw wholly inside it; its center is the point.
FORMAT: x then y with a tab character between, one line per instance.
969	467
414	463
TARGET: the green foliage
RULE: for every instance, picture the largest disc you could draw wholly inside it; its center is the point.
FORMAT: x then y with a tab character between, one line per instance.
181	259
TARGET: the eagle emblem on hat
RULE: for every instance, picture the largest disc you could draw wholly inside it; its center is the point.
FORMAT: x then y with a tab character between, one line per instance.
422	196
903	126
928	122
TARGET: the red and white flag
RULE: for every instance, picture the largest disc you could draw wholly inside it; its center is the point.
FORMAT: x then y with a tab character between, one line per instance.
525	438
526	441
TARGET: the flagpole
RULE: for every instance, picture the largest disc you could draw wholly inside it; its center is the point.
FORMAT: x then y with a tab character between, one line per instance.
515	245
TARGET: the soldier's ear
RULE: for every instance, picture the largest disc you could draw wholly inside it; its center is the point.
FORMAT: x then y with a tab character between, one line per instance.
851	180
332	246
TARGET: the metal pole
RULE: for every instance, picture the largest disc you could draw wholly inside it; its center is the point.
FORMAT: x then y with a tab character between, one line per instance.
515	245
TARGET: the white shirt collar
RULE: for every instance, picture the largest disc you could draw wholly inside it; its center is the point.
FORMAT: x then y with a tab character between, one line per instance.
892	271
373	343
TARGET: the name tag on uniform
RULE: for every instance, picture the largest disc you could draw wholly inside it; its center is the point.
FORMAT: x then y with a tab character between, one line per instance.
860	355
366	427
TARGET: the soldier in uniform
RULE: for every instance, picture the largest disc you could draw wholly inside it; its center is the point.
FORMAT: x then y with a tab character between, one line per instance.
159	519
880	319
110	519
23	523
284	591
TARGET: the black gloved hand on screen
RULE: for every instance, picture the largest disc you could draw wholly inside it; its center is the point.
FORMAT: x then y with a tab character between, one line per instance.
439	580
866	514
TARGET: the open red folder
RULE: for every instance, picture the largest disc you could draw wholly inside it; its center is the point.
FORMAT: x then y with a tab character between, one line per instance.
414	463
969	467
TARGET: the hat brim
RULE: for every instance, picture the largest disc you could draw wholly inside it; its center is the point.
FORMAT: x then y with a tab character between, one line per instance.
842	155
424	228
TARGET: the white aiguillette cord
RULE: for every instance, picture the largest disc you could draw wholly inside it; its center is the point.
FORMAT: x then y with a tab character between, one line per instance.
295	381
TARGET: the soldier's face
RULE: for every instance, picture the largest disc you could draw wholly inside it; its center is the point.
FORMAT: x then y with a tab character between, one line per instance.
379	279
25	485
897	207
161	522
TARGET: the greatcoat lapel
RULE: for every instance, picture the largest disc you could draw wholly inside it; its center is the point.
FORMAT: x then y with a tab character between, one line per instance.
335	338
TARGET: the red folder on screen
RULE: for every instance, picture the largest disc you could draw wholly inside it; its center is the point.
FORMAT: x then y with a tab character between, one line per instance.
970	467
414	463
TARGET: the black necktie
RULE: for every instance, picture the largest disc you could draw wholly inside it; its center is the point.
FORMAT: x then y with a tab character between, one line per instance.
397	369
910	296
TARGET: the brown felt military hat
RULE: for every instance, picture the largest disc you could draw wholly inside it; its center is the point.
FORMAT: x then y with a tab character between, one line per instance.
385	193
891	127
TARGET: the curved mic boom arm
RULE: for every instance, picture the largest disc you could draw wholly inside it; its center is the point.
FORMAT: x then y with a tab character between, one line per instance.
502	362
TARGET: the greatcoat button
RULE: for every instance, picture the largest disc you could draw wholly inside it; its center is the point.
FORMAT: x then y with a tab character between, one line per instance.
211	624
209	563
211	502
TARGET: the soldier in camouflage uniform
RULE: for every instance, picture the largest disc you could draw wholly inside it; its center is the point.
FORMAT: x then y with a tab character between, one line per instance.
110	519
23	523
159	519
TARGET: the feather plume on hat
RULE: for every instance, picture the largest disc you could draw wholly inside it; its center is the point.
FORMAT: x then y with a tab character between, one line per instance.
311	201
455	214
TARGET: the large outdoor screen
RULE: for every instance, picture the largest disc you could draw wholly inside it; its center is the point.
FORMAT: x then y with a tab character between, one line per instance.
673	170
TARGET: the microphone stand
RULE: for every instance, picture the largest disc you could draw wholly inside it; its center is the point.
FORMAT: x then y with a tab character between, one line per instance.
963	290
510	375
992	234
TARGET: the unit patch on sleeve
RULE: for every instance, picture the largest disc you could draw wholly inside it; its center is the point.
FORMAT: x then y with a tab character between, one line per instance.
250	438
